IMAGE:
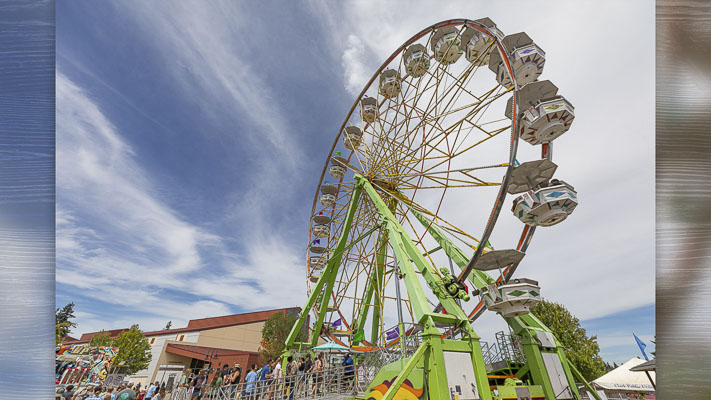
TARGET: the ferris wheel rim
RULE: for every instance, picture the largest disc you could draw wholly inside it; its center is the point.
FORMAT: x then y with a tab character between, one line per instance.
514	136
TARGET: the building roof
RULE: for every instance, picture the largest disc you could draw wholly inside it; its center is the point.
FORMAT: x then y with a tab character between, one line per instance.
199	324
647	366
200	352
622	379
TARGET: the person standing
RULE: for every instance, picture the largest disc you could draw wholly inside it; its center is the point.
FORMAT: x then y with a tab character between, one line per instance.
161	394
185	378
68	392
127	394
291	371
96	395
151	389
235	379
318	374
215	384
250	379
348	371
198	384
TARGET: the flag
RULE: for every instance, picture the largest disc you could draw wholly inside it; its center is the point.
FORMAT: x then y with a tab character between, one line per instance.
336	323
338	153
516	163
641	345
317	241
359	336
393	334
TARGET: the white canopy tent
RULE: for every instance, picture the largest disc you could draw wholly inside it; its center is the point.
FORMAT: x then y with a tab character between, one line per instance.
623	380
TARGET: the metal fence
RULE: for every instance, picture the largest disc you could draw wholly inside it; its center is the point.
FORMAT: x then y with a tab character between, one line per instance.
331	383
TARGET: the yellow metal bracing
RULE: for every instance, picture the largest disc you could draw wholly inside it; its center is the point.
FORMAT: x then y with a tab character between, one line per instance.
441	135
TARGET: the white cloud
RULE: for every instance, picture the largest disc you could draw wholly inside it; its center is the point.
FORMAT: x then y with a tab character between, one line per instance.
356	68
119	243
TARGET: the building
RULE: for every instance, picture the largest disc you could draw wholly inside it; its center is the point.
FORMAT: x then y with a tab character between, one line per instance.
204	343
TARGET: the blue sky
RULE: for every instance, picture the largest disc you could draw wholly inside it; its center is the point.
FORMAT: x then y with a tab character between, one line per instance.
190	140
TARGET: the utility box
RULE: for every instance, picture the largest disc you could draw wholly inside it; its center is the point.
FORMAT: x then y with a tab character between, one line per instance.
460	376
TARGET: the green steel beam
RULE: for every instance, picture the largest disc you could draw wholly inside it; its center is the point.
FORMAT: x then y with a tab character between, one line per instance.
374	282
334	262
407	254
409	366
523	326
585	383
480	279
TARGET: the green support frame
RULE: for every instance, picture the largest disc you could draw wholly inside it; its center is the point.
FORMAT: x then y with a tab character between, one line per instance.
524	326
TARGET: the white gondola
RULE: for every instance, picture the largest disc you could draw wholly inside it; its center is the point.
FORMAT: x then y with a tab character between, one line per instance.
546	206
544	114
478	45
337	169
512	299
317	263
547	121
417	60
352	137
369	109
389	85
446	45
321	231
327	200
527	60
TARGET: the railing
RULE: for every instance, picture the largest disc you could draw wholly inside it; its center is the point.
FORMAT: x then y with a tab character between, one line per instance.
331	383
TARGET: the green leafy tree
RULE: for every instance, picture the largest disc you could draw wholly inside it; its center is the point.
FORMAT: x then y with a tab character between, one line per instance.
134	351
581	350
63	322
274	333
102	339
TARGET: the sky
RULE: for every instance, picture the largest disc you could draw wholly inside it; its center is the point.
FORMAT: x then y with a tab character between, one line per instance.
191	136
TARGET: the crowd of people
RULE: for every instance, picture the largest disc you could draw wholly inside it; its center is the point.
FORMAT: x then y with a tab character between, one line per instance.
301	378
122	392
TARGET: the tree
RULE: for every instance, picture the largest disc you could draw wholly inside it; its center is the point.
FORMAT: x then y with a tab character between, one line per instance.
63	323
274	333
582	351
168	325
102	339
134	351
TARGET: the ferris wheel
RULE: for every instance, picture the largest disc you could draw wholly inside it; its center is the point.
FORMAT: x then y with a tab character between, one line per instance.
416	180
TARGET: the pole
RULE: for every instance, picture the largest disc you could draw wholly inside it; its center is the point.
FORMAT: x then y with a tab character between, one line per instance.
400	326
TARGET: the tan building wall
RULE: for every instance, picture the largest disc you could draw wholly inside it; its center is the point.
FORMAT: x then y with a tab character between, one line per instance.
245	337
170	359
